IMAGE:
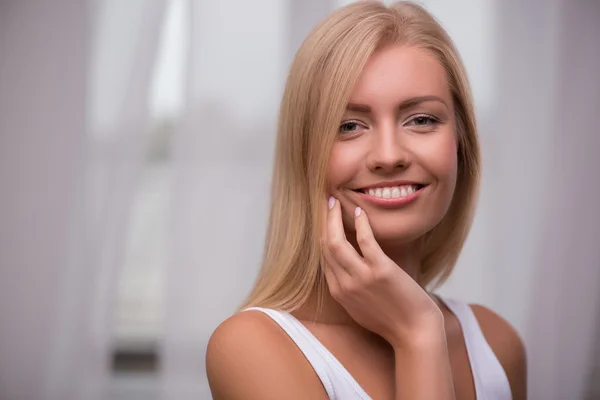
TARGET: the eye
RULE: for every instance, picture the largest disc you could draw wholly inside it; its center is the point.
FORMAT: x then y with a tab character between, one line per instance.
351	126
423	120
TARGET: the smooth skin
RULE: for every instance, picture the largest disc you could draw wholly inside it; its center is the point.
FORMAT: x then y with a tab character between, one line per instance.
399	125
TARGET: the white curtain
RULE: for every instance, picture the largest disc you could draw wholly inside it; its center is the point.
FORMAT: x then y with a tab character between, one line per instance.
222	160
43	59
73	110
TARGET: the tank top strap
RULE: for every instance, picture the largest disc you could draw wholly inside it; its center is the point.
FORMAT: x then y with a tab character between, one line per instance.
491	382
336	380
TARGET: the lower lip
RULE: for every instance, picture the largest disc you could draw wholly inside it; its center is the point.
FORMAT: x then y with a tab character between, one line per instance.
391	203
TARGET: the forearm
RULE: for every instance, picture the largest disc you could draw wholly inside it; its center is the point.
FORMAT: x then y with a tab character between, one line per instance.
423	369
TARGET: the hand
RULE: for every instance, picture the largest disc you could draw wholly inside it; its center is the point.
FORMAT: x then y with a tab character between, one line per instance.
374	290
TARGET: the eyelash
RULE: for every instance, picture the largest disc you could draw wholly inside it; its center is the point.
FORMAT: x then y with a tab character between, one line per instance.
431	121
351	121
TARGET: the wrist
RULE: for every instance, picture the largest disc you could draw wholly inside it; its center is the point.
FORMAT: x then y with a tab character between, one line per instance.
428	336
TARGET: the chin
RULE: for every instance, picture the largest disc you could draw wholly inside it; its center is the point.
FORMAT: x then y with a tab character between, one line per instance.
391	233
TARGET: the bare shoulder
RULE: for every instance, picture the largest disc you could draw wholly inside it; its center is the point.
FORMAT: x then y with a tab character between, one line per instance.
250	357
508	346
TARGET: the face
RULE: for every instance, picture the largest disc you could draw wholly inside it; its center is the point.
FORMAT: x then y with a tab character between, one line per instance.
396	151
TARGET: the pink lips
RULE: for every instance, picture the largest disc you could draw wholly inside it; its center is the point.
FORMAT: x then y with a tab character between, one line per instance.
391	203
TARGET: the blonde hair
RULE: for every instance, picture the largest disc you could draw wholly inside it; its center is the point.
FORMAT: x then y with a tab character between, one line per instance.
324	72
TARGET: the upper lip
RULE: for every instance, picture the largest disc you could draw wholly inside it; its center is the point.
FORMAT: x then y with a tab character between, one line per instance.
390	184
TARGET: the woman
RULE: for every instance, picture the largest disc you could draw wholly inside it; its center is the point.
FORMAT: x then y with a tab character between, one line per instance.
375	181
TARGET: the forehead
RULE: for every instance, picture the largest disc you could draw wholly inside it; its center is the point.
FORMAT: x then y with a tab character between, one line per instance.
398	72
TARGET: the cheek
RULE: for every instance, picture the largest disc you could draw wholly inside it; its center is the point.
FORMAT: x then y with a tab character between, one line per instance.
439	159
344	163
444	167
442	159
449	162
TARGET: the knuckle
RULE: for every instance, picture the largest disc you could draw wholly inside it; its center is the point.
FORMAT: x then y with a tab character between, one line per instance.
370	279
362	240
335	292
350	288
380	275
334	245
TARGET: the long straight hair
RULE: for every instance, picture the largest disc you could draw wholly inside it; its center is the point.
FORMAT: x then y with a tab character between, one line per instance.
321	79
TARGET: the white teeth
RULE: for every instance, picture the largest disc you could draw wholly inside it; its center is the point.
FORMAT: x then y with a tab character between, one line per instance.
393	192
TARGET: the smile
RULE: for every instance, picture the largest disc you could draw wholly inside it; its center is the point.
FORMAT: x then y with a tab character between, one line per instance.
392	192
393	196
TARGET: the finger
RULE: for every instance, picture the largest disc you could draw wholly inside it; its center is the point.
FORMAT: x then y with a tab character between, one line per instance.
323	226
332	264
330	267
337	276
333	283
339	249
329	264
364	237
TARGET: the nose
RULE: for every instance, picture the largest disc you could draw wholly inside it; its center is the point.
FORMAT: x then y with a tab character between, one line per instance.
388	152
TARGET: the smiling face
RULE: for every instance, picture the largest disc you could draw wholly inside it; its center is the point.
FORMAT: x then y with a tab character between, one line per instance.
396	151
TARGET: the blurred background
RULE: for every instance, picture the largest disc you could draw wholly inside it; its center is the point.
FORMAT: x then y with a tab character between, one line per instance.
136	142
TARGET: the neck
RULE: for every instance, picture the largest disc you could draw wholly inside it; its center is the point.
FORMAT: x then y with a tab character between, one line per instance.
332	312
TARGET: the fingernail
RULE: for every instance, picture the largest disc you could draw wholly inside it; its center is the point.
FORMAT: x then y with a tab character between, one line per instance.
331	202
357	211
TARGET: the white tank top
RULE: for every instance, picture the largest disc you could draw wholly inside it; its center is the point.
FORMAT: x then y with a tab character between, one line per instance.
489	377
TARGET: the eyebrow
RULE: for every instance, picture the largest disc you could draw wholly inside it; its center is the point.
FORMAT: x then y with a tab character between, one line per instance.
406	104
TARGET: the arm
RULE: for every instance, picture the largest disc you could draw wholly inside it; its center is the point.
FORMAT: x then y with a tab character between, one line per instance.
249	358
508	347
423	367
